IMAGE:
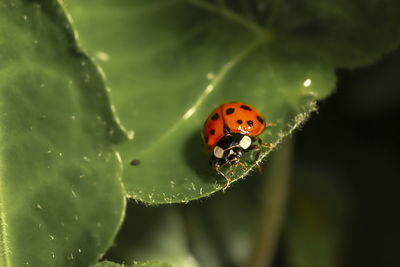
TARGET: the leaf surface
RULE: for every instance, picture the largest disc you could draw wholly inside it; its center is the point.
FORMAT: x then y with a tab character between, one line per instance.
61	199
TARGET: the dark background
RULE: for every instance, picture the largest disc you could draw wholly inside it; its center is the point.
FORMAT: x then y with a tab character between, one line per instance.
356	133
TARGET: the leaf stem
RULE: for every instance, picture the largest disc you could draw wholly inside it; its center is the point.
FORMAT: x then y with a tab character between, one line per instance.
274	195
261	32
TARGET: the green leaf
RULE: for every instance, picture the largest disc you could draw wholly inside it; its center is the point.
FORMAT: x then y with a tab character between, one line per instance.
349	33
170	63
214	239
152	264
106	264
61	199
158	234
136	264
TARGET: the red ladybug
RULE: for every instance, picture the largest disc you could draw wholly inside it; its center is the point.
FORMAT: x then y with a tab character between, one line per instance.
229	131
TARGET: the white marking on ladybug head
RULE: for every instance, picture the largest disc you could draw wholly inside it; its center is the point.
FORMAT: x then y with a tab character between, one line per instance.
218	152
245	142
231	152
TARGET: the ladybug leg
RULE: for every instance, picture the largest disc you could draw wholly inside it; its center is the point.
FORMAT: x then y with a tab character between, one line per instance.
228	180
256	161
243	166
258	148
267	145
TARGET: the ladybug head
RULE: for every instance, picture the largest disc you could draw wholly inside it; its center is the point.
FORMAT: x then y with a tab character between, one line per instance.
230	148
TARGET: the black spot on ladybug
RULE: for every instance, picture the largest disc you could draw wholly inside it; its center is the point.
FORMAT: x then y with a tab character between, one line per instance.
229	111
212	132
135	162
260	119
239	121
245	107
250	123
206	139
215	117
227	130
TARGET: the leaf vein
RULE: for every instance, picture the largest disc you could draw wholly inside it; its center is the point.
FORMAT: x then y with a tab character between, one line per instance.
263	33
209	88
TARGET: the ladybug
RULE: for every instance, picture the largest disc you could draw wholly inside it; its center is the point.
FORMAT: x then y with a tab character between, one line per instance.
229	131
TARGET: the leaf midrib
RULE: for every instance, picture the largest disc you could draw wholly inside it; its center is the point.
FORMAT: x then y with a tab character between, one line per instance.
208	90
263	36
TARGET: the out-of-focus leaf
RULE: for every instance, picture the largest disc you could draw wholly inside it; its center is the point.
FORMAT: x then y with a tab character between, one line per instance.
317	214
156	233
107	264
136	264
152	264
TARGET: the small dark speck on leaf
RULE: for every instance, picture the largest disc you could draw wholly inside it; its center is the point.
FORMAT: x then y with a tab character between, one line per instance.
135	162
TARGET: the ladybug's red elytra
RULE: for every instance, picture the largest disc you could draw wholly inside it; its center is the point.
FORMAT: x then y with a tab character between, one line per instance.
229	131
